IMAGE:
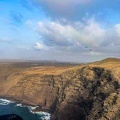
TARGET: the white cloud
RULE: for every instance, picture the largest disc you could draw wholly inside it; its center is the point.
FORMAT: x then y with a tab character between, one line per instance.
61	8
79	9
40	46
77	33
62	4
79	37
117	28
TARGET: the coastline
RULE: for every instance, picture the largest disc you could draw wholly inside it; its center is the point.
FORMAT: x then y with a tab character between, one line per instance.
28	103
32	108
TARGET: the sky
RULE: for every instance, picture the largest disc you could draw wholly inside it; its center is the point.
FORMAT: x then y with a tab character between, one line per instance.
62	30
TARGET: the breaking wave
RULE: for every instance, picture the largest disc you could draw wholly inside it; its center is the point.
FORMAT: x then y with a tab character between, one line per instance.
42	115
5	102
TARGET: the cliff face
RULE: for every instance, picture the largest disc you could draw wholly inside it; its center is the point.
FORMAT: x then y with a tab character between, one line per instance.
86	92
92	94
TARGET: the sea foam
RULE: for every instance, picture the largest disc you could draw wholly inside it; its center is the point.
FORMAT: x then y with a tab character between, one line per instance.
5	102
43	115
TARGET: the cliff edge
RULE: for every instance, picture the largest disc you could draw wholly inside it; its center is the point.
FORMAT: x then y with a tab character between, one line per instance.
84	92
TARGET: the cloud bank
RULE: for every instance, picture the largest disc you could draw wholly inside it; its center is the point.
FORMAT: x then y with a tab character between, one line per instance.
80	26
79	9
60	8
79	35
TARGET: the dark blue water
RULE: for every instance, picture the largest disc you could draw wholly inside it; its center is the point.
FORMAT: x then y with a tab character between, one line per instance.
8	107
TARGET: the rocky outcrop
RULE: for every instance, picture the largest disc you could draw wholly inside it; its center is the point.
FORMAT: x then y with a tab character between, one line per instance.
89	95
87	92
10	117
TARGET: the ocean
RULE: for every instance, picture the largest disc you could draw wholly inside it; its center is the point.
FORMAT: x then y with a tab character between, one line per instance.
11	107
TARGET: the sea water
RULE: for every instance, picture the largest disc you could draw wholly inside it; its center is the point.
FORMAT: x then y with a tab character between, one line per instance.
11	107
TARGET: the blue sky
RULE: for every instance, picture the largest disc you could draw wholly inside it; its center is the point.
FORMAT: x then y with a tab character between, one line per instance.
64	30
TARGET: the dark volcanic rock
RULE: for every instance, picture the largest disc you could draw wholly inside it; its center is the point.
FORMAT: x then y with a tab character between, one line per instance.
10	117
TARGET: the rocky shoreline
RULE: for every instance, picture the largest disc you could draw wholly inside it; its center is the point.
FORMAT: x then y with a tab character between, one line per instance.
14	106
37	108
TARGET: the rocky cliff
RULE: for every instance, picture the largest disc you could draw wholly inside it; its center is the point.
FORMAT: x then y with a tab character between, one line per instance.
85	92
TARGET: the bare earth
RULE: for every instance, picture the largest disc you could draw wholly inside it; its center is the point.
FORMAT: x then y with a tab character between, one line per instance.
68	92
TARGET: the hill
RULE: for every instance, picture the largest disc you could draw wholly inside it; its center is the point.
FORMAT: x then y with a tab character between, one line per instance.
77	92
108	60
111	60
